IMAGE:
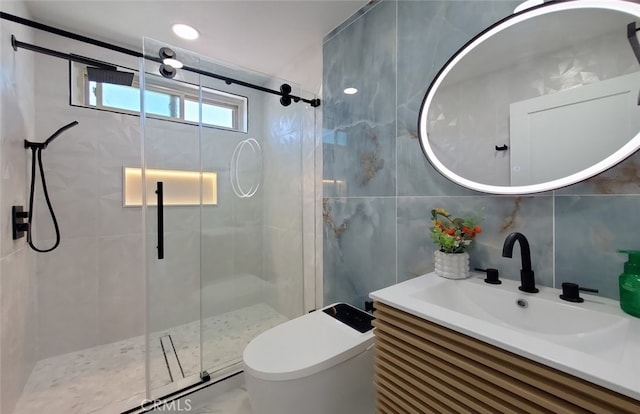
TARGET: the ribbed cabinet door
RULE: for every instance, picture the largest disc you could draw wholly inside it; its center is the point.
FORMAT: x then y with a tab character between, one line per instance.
421	367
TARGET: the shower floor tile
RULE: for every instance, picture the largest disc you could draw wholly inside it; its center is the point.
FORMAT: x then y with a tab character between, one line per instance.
91	379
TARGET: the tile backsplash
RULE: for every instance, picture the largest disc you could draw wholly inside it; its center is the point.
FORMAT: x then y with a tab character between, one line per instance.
379	188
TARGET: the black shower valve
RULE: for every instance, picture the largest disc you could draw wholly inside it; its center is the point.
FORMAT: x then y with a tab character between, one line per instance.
19	227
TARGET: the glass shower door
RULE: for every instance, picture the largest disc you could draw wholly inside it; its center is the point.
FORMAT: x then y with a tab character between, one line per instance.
229	160
251	259
173	198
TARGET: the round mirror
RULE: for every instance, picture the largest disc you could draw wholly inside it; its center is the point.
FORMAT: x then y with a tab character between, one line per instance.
543	99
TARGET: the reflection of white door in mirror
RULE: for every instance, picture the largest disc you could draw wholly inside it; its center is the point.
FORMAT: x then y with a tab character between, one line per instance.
586	118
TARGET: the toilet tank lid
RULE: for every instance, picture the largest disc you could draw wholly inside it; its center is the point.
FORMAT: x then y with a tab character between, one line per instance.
302	347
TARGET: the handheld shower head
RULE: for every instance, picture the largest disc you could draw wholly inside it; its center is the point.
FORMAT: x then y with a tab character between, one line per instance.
58	132
36	156
42	145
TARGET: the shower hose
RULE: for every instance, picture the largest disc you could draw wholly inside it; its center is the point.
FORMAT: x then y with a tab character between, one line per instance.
38	151
36	155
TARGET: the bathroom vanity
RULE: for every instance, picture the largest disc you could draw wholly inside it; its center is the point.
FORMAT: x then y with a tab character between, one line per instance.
465	346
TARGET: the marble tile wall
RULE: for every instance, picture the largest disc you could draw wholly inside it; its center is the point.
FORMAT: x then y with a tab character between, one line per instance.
376	225
18	292
286	129
91	290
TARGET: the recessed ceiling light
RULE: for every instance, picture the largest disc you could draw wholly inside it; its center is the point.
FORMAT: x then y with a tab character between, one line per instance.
175	63
350	91
185	31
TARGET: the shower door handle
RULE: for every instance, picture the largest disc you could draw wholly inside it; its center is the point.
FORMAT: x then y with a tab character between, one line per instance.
160	220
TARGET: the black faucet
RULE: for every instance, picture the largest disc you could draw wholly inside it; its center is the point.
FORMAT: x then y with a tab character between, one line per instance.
527	281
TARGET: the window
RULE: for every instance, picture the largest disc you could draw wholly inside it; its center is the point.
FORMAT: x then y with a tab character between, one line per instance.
164	99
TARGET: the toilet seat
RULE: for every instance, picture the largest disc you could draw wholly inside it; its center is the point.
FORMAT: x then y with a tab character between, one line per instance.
302	347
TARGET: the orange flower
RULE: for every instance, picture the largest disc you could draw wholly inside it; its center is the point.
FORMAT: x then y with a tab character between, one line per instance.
452	234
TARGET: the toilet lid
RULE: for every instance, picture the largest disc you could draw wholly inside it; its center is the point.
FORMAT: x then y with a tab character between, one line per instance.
302	347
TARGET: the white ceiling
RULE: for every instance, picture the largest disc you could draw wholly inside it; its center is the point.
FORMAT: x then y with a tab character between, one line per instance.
278	38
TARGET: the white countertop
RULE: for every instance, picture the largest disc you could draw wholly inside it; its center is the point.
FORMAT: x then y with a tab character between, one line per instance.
616	367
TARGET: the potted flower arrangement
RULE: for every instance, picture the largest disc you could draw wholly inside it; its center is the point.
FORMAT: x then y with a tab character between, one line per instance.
452	235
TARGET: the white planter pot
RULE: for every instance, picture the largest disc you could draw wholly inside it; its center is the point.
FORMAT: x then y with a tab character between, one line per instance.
452	265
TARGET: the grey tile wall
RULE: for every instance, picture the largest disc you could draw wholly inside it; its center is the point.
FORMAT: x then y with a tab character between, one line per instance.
18	290
382	239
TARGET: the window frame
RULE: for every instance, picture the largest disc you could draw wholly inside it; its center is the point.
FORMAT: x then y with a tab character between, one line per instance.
183	91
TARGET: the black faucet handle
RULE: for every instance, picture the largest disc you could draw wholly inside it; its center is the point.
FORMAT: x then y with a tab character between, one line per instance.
493	277
571	292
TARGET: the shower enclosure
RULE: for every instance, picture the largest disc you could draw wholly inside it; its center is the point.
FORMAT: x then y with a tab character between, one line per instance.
227	264
182	228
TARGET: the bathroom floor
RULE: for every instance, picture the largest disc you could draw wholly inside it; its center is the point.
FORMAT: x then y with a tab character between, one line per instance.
235	401
89	380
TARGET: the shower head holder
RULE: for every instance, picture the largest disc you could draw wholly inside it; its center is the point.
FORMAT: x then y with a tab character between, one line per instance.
34	145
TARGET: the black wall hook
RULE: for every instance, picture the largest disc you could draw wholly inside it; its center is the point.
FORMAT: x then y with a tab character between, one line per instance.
502	148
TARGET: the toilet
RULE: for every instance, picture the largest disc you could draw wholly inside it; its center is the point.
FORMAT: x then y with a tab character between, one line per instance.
319	363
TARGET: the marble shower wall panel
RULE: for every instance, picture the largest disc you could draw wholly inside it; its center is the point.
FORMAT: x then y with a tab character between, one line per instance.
283	270
68	297
533	216
283	165
171	145
429	32
232	230
220	223
311	202
359	247
359	131
17	107
121	308
18	290
283	197
91	289
174	282
18	323
589	231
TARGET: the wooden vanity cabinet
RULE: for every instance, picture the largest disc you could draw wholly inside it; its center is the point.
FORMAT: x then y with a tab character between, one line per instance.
422	367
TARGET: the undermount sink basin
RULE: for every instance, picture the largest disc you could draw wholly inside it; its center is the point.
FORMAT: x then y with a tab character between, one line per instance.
593	340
